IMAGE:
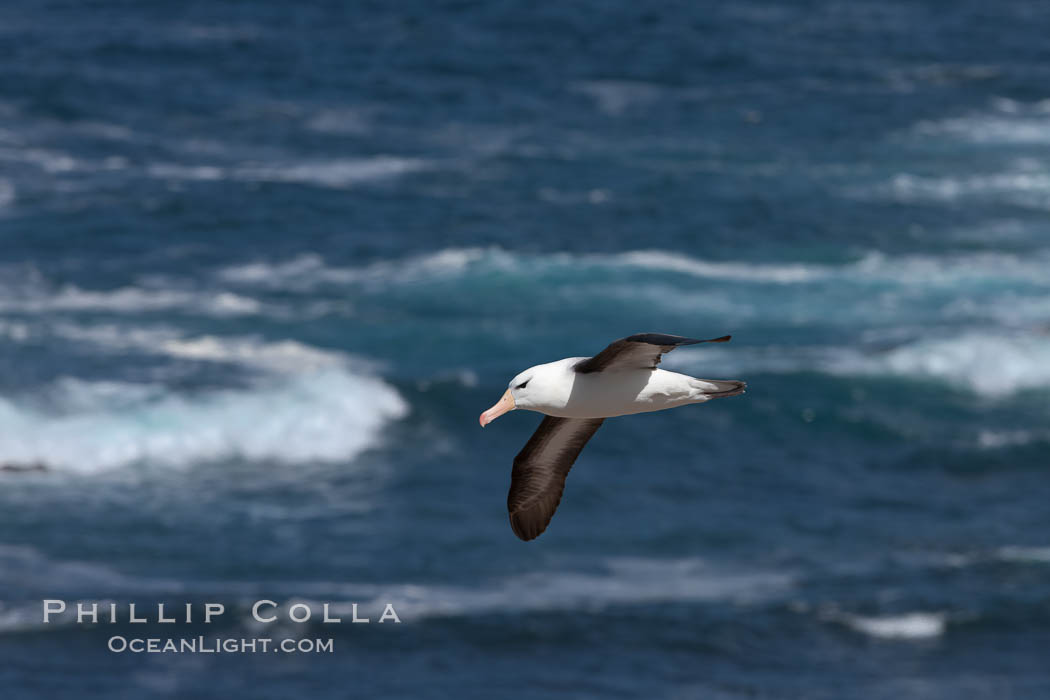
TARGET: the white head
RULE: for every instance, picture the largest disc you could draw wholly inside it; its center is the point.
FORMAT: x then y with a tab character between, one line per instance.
534	389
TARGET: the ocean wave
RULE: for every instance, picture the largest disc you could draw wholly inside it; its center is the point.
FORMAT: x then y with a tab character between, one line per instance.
992	365
1021	187
1026	555
338	174
1026	185
1007	554
621	582
914	626
327	415
615	582
989	129
754	272
304	404
132	299
999	439
250	351
309	270
1010	123
52	162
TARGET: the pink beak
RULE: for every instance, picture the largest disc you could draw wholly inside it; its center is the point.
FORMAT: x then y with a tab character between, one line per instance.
506	403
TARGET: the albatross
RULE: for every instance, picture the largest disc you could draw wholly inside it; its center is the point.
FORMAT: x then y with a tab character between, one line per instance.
576	395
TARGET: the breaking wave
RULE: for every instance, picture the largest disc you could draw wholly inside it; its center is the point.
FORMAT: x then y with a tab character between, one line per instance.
305	404
311	270
994	366
330	415
990	365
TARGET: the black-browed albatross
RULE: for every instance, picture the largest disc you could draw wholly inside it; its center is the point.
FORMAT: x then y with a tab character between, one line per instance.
575	395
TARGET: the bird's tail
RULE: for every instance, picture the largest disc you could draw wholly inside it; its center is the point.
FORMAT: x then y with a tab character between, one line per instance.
720	388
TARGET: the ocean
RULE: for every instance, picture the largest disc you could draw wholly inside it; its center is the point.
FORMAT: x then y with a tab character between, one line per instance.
262	265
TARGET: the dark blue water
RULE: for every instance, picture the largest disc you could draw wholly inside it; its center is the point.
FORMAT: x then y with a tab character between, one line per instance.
262	264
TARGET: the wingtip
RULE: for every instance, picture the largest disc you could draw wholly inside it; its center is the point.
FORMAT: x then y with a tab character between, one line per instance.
523	534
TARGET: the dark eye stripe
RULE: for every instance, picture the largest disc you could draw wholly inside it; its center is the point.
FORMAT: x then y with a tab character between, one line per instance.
522	385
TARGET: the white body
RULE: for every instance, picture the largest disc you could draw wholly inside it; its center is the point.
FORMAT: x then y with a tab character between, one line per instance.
556	390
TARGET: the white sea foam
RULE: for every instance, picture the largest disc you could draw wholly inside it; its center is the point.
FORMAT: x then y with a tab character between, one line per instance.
53	162
928	271
326	415
593	196
1024	188
917	625
998	439
994	365
991	365
307	265
675	262
336	173
1010	554
133	300
339	173
285	355
249	351
1008	122
304	403
310	269
990	129
1034	555
175	171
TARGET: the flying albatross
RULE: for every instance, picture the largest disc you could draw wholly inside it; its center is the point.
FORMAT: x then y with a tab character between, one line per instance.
575	395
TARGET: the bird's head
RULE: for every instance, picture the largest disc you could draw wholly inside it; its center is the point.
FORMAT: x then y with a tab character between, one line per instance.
536	388
517	395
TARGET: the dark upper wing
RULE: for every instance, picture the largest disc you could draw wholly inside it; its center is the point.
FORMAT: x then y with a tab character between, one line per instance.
538	477
641	351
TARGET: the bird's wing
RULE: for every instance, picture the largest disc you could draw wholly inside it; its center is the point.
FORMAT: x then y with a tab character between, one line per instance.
538	477
641	351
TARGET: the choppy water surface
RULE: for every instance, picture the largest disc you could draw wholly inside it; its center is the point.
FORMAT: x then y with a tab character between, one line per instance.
262	265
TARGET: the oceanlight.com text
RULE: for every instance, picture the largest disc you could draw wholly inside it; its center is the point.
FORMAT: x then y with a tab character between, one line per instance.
218	645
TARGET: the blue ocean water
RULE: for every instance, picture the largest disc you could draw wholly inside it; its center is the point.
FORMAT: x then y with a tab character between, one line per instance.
262	265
